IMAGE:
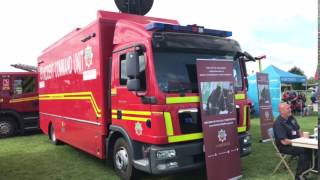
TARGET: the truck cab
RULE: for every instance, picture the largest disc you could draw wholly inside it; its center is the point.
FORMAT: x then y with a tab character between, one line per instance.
18	103
155	97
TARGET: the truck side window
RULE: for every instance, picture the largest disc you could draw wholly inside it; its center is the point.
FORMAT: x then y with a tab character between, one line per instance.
123	74
22	85
142	71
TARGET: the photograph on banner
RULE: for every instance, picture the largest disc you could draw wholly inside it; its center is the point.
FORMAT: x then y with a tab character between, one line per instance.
264	93
217	97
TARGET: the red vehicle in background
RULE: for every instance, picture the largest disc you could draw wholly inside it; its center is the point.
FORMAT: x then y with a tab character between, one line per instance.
19	102
125	88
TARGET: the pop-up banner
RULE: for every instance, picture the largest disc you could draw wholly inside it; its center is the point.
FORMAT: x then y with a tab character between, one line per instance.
218	114
265	106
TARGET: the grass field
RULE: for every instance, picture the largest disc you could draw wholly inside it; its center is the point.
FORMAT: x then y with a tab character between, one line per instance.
33	157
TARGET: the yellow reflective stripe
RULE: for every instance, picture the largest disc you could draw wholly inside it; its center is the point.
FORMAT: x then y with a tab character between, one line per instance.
130	118
66	98
145	113
187	137
241	129
244	126
24	99
194	136
53	96
194	99
74	96
67	94
240	96
168	121
188	99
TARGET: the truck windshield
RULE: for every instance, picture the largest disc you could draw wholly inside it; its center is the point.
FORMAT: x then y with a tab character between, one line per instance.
176	70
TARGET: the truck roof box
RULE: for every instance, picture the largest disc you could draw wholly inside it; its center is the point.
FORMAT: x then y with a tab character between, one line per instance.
113	17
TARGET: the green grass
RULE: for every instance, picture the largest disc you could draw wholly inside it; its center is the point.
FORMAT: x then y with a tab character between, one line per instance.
33	157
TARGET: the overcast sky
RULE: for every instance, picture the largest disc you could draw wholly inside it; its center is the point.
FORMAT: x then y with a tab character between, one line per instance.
284	30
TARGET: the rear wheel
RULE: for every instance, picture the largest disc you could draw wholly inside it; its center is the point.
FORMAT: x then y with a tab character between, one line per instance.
52	136
122	160
7	126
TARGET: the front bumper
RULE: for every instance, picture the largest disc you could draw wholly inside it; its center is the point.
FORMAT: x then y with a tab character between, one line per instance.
189	156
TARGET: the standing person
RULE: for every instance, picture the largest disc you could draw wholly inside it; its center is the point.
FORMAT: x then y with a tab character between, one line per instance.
285	96
287	128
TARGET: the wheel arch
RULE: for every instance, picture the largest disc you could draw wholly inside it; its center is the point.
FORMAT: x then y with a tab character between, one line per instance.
115	133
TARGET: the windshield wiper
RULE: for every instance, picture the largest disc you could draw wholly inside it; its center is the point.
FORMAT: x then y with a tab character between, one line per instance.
181	91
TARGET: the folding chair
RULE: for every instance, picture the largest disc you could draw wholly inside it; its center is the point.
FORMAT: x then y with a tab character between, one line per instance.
282	157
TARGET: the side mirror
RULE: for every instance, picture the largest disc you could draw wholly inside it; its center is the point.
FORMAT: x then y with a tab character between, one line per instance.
133	85
132	64
248	56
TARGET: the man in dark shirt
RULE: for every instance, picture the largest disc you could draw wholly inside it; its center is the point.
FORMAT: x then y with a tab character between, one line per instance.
286	128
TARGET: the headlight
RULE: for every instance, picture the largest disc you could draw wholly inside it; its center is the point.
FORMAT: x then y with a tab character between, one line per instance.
166	154
246	139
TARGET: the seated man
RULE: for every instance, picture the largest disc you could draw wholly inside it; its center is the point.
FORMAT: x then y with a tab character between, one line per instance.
286	128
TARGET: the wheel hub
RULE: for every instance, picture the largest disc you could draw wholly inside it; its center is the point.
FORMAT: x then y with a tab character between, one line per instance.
53	135
122	159
4	128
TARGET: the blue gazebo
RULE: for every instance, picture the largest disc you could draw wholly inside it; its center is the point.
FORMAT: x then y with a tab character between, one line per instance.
276	78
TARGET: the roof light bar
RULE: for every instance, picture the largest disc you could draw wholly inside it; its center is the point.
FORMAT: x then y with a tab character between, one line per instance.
188	29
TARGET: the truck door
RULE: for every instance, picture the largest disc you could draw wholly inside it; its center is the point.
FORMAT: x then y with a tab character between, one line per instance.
5	89
25	100
128	110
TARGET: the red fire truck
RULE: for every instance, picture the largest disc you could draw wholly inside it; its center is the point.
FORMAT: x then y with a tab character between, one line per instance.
19	105
125	88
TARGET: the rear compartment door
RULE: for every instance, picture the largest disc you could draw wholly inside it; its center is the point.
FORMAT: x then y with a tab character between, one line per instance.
4	88
25	100
128	109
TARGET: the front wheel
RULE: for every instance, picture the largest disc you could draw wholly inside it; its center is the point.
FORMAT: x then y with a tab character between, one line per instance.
7	127
122	160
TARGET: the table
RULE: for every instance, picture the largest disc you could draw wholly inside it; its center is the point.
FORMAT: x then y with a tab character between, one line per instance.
307	143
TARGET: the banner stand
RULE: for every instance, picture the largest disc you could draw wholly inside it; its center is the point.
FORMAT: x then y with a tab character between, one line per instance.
219	120
265	106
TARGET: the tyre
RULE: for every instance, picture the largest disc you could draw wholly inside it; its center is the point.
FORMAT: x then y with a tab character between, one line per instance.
7	127
53	137
122	160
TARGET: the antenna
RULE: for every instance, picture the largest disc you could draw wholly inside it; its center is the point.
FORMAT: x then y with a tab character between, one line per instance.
25	67
139	7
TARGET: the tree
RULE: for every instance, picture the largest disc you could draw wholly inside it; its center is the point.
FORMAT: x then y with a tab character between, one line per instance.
296	70
311	80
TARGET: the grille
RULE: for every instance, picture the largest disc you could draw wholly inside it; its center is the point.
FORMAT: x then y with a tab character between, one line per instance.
190	121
